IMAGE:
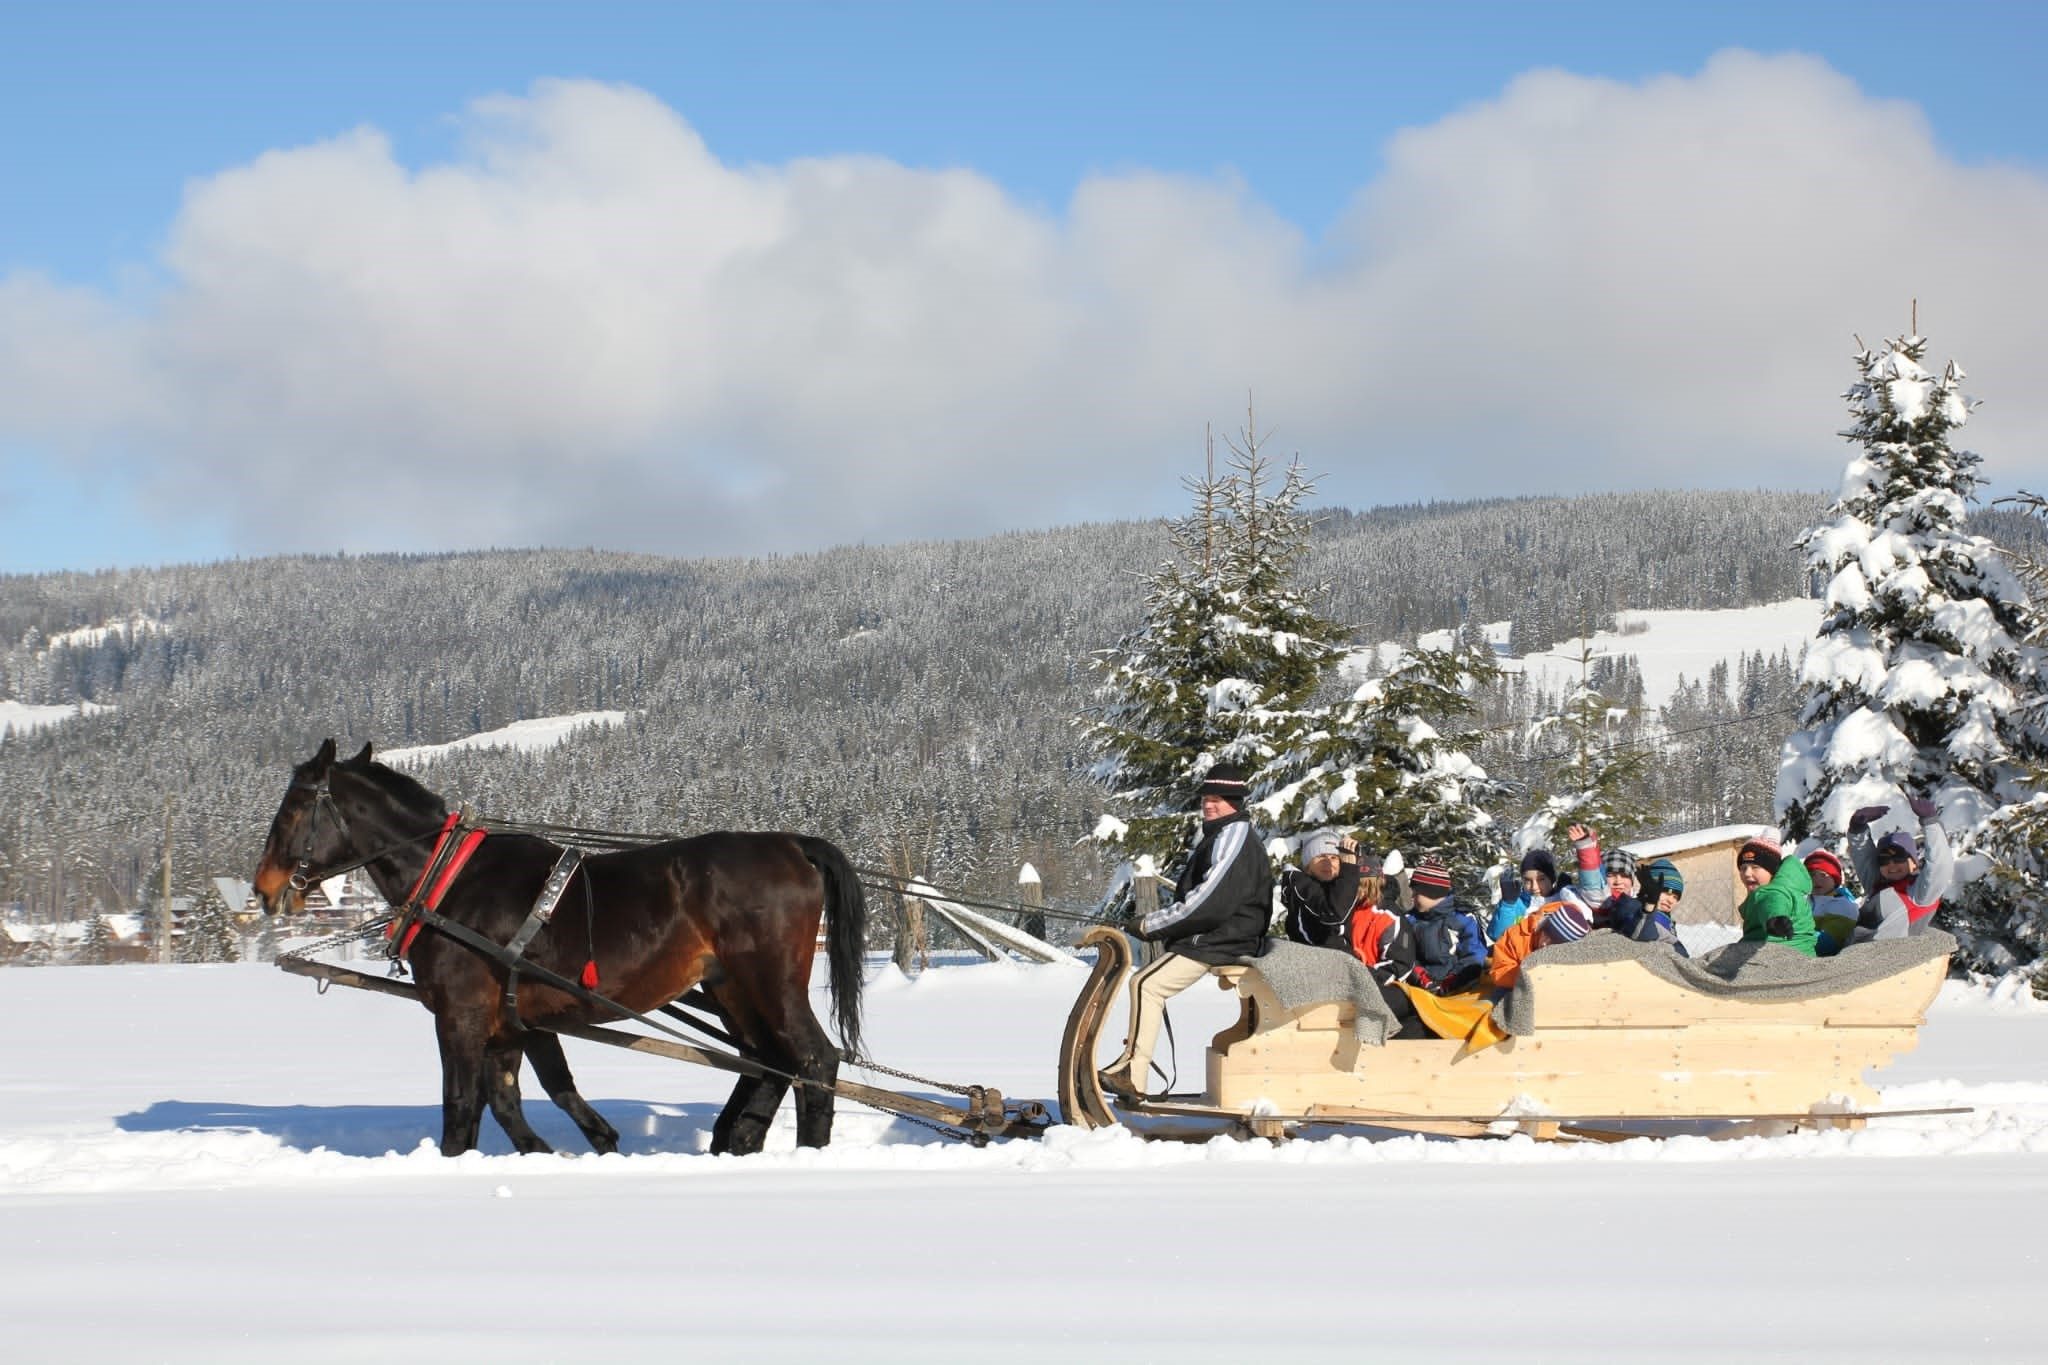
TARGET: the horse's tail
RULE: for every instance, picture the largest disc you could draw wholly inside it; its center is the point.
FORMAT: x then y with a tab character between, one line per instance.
846	934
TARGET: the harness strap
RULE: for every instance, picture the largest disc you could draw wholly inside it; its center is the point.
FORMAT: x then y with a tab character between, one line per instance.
536	919
470	938
450	855
439	851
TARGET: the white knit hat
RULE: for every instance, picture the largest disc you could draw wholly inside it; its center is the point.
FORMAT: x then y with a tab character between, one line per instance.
1317	844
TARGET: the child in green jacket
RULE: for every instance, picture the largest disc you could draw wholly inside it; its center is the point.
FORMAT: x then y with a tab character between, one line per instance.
1778	908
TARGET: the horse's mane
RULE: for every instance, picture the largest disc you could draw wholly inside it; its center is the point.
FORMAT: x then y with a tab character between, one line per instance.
400	787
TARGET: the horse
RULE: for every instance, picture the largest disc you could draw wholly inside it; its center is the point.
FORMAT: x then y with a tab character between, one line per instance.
735	913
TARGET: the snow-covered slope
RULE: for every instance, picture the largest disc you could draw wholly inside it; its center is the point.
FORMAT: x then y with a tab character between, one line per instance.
1669	644
218	1164
526	736
18	717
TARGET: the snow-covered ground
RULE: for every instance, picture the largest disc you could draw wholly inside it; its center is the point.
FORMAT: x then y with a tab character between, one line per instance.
1669	645
19	717
525	736
90	637
216	1163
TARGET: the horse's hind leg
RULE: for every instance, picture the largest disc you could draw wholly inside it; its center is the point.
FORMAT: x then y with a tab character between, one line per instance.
544	1050
735	1104
742	1126
501	1085
816	1063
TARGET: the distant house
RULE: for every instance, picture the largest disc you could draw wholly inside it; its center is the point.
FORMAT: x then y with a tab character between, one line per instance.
127	939
338	901
1706	859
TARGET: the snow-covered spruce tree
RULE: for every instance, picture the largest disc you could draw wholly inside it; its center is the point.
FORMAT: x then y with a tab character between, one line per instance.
96	948
1229	649
2016	836
1392	762
1588	764
209	932
1921	679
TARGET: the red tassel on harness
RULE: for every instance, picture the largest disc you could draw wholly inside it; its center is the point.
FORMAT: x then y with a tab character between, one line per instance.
590	975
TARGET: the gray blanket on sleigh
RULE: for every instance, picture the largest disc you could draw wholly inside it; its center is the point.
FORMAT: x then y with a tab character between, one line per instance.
1758	971
1302	976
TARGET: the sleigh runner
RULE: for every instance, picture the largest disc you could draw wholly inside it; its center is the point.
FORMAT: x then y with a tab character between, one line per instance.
1598	1032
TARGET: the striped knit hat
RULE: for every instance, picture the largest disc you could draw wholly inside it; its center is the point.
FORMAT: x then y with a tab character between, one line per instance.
1663	872
1619	862
1431	876
1566	918
1226	780
1761	853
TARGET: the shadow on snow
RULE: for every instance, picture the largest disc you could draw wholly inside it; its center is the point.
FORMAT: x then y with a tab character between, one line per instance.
377	1129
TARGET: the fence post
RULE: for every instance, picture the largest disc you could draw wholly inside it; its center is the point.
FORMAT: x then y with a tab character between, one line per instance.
1145	899
1031	891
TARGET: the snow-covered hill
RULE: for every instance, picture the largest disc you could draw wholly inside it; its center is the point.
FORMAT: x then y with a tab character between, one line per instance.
217	1164
523	736
18	717
1670	645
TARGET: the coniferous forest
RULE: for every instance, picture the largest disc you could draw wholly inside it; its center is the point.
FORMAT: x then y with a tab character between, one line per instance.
917	700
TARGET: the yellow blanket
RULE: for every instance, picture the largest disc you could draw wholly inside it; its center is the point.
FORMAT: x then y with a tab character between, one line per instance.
1466	1018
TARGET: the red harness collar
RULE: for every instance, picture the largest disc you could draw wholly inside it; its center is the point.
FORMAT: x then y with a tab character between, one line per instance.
408	918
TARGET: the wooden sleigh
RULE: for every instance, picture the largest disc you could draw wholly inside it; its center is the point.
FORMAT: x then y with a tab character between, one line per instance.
1601	1050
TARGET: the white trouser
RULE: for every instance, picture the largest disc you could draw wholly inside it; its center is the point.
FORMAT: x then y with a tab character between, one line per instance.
1151	988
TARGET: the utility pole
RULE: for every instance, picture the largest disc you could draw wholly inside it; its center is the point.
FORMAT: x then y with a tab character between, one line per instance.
163	924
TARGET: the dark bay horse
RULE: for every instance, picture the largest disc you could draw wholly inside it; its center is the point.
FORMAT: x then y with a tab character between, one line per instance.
737	913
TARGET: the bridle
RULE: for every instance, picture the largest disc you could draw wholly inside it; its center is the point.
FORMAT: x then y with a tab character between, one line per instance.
323	799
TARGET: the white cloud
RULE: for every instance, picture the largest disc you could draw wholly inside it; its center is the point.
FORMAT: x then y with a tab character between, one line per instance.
588	329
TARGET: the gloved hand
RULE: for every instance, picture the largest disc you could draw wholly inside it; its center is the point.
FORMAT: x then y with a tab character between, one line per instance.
1778	926
1923	808
1134	923
1860	821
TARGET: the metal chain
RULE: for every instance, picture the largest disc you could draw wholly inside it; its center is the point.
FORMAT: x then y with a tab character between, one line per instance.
957	1134
866	1064
367	930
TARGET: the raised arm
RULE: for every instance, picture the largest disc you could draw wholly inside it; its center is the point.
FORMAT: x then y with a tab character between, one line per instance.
1937	861
1863	848
1592	874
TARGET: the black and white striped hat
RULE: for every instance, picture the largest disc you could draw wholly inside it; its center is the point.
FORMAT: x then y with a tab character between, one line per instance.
1226	780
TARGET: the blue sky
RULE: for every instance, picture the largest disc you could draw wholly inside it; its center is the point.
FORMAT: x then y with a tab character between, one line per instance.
109	114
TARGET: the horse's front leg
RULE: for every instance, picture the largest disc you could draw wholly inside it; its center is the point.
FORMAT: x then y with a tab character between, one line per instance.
501	1085
462	1082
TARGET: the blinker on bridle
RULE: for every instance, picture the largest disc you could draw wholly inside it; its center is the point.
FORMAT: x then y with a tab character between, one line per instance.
323	795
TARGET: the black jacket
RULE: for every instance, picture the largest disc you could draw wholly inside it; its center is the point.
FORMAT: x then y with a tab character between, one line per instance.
1223	900
1448	944
1318	912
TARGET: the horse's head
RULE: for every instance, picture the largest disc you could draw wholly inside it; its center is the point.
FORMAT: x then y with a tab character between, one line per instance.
307	832
340	814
